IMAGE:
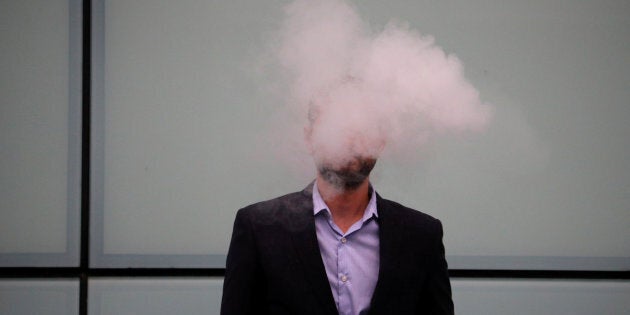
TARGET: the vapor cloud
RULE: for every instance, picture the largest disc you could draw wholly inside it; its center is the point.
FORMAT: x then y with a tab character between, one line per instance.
367	91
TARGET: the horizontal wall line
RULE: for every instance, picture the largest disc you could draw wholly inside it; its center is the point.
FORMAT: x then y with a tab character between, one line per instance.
76	272
539	274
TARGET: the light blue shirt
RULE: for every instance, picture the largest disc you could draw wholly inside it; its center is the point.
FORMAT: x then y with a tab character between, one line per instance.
351	259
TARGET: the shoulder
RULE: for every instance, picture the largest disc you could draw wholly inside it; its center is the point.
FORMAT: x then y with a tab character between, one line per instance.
278	204
409	218
288	210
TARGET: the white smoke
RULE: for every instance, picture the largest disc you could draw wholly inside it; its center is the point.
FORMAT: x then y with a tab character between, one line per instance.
369	91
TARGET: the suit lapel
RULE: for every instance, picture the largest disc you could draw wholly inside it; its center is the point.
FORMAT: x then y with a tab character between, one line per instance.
307	247
389	239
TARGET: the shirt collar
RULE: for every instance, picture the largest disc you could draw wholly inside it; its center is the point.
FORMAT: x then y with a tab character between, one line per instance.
319	204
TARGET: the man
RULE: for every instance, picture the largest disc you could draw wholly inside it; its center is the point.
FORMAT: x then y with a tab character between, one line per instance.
336	247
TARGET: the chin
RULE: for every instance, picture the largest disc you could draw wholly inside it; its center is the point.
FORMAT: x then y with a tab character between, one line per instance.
350	176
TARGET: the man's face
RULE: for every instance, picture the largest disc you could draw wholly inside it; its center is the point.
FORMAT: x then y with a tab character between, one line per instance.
344	145
349	176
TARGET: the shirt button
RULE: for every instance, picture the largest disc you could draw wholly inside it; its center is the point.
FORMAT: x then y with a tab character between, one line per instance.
343	240
344	278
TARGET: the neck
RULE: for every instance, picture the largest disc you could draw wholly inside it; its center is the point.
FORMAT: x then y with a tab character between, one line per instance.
346	205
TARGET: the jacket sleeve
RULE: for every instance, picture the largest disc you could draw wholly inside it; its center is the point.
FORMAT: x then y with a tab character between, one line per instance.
437	291
243	283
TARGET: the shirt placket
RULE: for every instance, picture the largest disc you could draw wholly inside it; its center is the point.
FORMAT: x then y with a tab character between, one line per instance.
343	276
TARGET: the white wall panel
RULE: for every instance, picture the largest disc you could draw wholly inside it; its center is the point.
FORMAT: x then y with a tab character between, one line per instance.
155	296
50	297
540	297
471	296
172	156
39	132
180	123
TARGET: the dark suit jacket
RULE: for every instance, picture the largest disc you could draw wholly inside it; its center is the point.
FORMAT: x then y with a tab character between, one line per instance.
274	264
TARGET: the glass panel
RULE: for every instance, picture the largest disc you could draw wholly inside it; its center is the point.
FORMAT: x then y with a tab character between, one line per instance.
180	123
39	132
546	185
51	297
170	169
155	296
553	297
471	296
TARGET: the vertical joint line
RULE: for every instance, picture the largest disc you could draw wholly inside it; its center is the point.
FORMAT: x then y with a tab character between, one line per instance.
86	87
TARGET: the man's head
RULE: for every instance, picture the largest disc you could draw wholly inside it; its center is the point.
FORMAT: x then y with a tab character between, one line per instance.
343	150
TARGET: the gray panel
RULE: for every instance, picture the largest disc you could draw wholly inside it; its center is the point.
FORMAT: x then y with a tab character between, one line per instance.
540	297
471	296
538	263
181	124
40	132
167	178
155	296
51	297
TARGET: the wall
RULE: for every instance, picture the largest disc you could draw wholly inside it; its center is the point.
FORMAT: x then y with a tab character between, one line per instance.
180	113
